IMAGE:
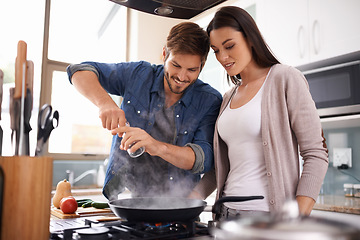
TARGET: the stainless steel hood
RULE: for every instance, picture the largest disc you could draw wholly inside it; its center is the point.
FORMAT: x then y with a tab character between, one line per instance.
182	9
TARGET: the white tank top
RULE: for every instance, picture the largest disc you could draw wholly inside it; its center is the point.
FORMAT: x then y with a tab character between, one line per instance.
240	128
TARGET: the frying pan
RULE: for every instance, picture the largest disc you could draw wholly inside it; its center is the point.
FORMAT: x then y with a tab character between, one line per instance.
163	209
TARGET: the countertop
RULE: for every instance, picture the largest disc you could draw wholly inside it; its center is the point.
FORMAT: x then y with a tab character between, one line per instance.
336	203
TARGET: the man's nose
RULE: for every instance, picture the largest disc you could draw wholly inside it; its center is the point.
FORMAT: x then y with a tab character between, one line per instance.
182	74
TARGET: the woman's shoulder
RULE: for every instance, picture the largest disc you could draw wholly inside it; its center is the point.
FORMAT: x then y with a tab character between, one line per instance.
285	69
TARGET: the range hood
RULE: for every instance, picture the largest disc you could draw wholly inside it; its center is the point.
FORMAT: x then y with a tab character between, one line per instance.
182	9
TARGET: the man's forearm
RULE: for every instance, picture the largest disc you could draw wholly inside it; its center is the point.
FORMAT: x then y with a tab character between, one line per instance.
181	157
87	83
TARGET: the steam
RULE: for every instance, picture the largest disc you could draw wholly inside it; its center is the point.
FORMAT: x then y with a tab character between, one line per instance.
151	176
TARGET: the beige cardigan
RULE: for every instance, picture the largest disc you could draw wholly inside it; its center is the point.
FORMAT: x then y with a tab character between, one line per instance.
290	123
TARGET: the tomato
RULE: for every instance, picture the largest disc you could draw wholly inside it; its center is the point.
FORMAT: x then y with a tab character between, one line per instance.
68	205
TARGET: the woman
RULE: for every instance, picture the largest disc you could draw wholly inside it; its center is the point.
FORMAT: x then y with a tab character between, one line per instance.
264	121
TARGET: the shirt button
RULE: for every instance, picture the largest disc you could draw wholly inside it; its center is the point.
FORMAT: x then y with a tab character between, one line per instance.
171	178
265	143
272	202
138	112
113	172
128	101
185	132
177	115
149	123
268	174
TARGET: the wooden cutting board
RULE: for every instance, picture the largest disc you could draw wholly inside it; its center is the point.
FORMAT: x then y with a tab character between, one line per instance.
81	212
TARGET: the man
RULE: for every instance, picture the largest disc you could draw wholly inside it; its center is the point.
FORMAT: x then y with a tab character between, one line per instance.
171	113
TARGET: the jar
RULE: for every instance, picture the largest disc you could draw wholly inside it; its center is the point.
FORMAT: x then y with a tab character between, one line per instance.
349	189
357	190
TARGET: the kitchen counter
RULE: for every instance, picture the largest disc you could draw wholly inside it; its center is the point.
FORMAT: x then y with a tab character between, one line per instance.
336	203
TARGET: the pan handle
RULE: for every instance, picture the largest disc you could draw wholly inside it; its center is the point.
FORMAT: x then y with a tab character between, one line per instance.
216	209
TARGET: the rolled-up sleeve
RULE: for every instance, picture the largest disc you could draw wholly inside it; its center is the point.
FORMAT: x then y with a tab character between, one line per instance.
73	68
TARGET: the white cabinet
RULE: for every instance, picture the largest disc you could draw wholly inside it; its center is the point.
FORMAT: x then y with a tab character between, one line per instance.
299	31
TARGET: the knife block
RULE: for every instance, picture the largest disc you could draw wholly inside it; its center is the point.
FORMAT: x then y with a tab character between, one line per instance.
26	198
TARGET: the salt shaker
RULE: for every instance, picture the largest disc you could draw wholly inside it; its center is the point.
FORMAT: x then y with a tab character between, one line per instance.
138	152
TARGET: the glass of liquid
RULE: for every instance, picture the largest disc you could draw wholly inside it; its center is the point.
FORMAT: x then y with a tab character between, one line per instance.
138	152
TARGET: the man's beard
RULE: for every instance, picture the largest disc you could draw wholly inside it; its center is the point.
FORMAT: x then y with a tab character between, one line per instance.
166	75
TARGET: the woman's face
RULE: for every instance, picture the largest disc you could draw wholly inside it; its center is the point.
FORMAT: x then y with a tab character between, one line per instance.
231	49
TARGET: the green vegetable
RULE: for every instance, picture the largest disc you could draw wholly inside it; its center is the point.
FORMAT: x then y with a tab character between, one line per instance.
80	202
87	204
100	205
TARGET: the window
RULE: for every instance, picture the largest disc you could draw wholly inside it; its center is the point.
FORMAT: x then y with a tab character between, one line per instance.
75	31
88	30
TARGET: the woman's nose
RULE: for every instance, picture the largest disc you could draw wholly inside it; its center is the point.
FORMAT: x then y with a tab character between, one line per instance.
222	56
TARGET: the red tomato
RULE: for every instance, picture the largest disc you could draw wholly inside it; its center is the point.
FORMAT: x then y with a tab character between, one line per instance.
68	205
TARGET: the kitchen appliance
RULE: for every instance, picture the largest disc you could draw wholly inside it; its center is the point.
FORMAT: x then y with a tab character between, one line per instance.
83	229
285	224
144	218
182	9
335	84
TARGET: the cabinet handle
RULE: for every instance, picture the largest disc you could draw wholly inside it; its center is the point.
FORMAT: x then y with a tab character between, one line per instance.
316	36
301	41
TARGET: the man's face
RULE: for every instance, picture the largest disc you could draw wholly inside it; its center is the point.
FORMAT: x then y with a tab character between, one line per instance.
180	71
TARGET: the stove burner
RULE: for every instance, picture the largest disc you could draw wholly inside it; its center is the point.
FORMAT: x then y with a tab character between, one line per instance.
161	228
94	233
116	230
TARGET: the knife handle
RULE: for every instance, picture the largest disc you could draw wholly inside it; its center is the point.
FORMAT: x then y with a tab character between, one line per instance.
20	62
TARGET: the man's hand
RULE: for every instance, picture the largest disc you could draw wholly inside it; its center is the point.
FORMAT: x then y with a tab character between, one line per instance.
136	136
111	116
181	157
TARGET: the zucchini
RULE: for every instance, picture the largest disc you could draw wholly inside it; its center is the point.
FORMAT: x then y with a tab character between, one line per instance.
100	205
87	204
80	202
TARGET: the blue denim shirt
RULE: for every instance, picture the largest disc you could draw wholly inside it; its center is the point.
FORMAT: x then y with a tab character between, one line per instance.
141	85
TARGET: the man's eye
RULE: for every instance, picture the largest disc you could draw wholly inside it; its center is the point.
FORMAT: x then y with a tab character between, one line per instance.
177	66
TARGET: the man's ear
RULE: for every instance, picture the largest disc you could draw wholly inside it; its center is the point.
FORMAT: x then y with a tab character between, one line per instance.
163	54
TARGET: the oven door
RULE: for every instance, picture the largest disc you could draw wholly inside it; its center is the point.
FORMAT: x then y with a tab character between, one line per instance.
335	86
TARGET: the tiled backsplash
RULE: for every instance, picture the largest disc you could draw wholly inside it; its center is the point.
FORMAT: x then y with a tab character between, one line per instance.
335	178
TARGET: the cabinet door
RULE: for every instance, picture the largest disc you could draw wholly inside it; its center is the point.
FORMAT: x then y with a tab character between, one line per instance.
335	28
284	26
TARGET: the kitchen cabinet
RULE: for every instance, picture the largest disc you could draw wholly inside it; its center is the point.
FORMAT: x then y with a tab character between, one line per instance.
300	32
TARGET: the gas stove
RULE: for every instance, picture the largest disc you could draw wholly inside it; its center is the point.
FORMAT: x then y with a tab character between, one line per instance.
89	229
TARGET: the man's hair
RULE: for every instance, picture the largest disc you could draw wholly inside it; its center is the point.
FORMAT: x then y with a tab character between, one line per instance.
188	38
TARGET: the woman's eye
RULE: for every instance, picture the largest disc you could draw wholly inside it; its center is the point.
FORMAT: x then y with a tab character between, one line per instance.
216	51
230	47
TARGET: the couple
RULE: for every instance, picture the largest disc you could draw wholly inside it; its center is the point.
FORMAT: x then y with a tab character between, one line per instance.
247	143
